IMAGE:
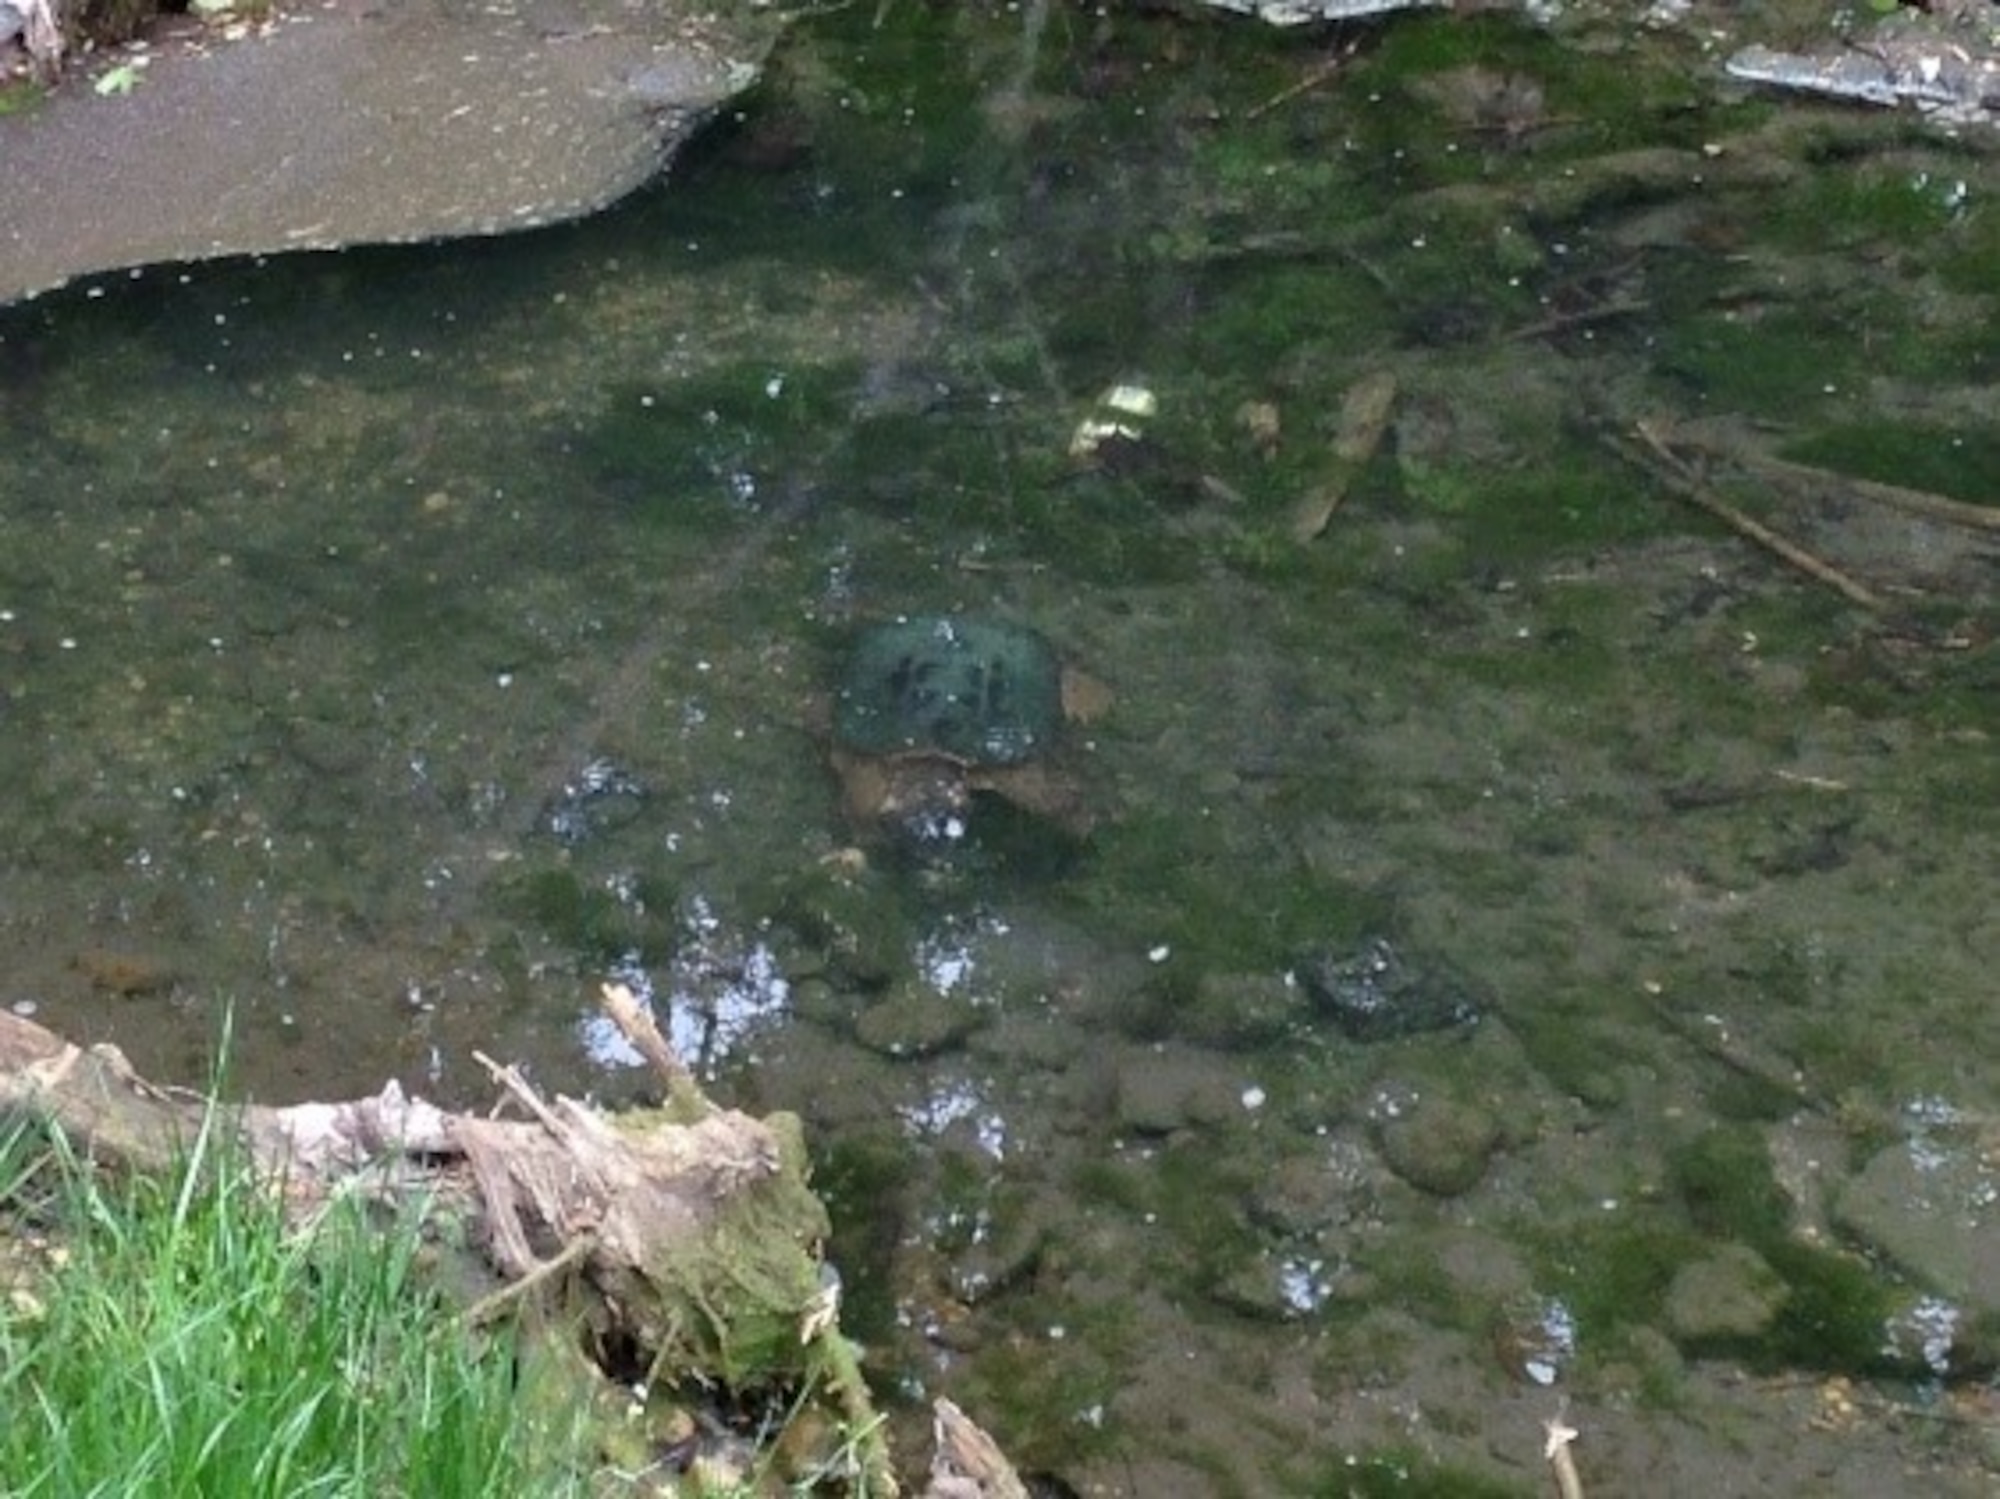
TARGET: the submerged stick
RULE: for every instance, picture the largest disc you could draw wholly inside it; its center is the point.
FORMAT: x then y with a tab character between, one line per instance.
1324	73
1364	418
1673	471
1912	501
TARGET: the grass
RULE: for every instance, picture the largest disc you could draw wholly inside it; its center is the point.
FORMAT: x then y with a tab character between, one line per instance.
177	1337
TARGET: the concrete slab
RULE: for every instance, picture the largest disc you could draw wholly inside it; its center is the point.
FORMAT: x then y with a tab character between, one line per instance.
358	121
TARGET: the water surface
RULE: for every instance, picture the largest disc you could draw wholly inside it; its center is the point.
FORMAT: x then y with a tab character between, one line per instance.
396	644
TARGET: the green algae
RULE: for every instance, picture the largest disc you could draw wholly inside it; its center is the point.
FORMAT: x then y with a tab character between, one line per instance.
865	1180
1864	203
688	454
1162	882
1941	460
1833	1307
594	922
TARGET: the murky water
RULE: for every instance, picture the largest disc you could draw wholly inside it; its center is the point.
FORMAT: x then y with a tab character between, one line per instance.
394	645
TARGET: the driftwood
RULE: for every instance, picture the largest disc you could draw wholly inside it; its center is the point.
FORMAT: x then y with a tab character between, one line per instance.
689	1235
967	1463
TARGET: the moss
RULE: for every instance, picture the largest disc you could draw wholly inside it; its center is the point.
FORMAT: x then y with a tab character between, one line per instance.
697	454
1858	203
1964	259
1835	1307
1114	1182
1579	1051
1161	879
594	922
1834	1315
1725	1182
1199	1198
1418	1282
1776	367
1840	1058
1592	102
1049	1398
20	96
864	1180
857	927
1940	460
1614	1273
1744	1098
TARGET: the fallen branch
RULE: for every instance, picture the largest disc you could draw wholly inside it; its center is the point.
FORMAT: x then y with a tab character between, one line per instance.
1674	472
1559	1435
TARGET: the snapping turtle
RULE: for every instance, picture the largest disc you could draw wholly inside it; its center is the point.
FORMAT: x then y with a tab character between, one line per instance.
934	708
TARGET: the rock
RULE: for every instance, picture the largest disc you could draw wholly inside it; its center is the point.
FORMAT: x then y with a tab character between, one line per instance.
1732	1296
1276	1288
1942	58
1375	993
848	925
1932	1205
913	1021
1440	1146
359	123
1161	1090
125	974
1300	1197
1482	1265
995	1248
1240	1011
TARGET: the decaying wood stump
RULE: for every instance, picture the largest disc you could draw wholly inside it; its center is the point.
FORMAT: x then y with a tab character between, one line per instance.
689	1236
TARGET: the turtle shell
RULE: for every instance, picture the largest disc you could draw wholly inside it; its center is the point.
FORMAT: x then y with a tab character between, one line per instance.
982	691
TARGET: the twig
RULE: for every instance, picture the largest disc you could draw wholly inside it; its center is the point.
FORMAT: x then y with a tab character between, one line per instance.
1562	322
1364	418
1324	73
523	1093
1913	501
1555	1449
1672	471
486	1308
684	1094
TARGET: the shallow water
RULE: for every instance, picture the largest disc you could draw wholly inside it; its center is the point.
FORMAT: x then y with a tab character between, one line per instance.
396	644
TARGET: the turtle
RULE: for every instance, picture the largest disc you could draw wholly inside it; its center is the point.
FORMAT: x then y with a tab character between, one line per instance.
933	709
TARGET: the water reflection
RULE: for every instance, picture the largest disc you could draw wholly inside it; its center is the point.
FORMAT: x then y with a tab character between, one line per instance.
718	994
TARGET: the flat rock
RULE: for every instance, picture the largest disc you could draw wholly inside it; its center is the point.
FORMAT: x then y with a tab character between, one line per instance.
357	122
1731	1296
1440	1146
1932	1205
1164	1089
